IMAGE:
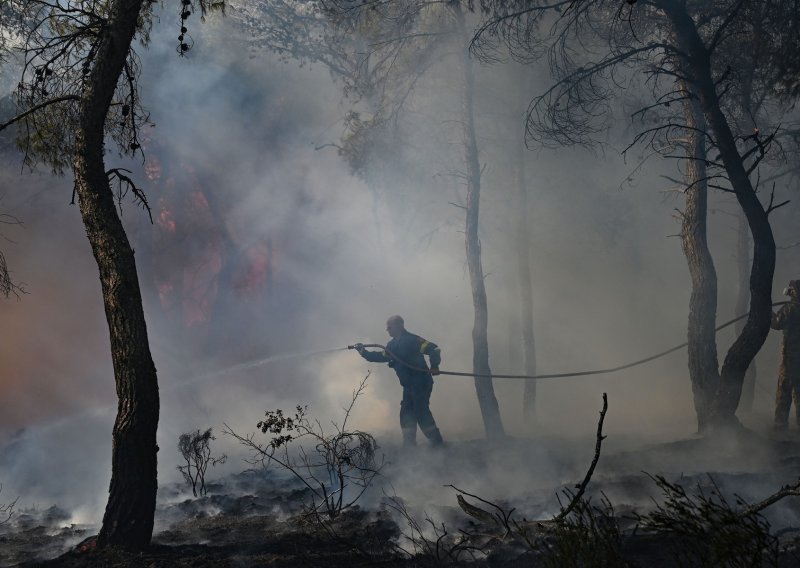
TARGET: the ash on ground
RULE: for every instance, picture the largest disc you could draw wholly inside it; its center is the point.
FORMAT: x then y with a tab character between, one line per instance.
410	515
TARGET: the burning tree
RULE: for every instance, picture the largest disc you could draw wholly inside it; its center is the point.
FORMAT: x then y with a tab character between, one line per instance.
78	88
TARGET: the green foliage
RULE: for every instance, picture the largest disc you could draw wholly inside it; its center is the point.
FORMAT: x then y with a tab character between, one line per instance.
376	51
58	43
283	427
706	531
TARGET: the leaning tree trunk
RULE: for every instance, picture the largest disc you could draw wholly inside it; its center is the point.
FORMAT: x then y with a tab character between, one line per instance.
748	113
490	410
525	288
128	519
702	344
695	63
742	303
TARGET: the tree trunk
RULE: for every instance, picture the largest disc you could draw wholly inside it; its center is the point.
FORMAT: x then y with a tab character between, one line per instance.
525	288
703	362
696	65
128	519
490	411
742	303
748	114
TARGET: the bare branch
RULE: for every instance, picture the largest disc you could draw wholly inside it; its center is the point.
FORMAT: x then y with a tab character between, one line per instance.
582	486
785	491
125	184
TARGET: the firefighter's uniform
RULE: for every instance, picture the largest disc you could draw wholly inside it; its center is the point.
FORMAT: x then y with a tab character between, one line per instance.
788	320
417	382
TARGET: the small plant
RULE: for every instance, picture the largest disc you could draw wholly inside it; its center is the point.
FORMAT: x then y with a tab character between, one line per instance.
337	468
195	447
430	542
580	535
588	536
708	531
6	509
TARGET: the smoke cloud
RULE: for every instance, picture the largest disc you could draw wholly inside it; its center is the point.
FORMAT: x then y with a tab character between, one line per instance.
264	246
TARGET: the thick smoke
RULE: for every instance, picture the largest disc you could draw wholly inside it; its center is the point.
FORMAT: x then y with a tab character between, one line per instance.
317	258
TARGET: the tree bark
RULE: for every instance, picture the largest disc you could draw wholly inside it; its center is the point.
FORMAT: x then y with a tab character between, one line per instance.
748	114
525	288
694	62
742	303
128	519
490	410
702	348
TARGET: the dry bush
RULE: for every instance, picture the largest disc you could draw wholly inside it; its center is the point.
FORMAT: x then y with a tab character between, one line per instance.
195	447
430	543
588	536
705	530
336	468
6	509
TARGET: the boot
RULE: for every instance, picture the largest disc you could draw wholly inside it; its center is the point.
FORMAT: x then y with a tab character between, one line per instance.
409	437
435	437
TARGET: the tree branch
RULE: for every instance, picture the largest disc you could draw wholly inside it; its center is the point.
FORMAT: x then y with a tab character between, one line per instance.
38	107
582	487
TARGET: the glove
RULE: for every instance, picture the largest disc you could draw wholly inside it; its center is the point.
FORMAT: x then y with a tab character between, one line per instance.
359	347
435	371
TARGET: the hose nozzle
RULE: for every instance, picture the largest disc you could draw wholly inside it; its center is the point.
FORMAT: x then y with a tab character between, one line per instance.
356	346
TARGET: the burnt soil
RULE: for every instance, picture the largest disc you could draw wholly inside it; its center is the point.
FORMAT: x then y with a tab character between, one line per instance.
257	518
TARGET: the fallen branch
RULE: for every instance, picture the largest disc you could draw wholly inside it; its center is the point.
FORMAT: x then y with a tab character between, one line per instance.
785	491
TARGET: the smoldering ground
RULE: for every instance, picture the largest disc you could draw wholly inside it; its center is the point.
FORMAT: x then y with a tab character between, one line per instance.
321	259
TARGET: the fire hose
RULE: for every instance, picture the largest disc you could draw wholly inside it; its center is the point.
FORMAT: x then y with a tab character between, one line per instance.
548	375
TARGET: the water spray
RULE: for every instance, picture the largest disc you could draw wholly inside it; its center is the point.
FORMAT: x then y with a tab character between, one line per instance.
251	365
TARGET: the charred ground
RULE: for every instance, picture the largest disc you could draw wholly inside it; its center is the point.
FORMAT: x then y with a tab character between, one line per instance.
257	518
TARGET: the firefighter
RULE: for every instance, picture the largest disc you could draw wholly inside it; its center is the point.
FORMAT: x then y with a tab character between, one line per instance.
788	320
405	353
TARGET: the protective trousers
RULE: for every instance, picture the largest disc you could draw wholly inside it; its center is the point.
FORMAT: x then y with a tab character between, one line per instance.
788	390
415	410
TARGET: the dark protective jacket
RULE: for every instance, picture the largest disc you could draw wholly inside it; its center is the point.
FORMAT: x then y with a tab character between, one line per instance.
410	349
788	319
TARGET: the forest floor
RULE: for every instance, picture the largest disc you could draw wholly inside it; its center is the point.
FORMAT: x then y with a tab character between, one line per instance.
256	518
